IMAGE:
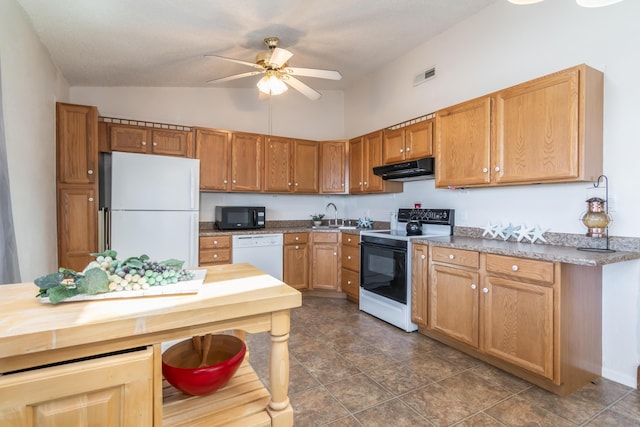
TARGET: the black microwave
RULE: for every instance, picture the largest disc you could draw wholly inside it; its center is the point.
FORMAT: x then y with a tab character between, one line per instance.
239	217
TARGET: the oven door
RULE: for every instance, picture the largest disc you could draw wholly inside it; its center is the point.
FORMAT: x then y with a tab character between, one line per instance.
383	268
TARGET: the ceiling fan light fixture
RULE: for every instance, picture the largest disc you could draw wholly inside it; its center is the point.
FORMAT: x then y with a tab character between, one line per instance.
271	84
524	1
596	3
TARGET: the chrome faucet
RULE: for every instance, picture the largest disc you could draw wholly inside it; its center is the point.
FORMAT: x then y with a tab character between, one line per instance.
336	212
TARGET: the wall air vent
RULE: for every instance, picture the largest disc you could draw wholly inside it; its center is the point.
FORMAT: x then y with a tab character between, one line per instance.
425	75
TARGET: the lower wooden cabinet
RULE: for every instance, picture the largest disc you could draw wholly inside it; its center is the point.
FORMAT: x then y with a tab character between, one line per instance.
296	260
214	250
325	261
77	225
350	281
108	391
419	284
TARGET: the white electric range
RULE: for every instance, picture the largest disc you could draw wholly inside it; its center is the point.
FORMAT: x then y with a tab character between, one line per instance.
385	264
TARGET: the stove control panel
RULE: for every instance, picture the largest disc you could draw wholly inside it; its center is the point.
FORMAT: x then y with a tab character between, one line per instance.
427	216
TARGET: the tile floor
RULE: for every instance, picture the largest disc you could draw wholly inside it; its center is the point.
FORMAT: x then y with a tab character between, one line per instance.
350	369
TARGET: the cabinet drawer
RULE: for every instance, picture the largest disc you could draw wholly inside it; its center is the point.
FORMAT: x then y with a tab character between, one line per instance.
325	237
351	257
351	283
293	238
528	269
214	256
215	242
350	239
455	257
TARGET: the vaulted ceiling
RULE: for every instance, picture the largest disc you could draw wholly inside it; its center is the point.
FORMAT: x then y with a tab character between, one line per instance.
163	42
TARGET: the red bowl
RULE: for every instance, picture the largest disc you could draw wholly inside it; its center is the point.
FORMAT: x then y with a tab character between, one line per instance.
181	364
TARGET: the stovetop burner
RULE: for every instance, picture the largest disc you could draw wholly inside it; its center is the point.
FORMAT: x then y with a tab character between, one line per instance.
435	222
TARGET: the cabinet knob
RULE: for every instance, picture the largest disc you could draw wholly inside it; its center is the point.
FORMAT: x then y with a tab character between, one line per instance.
90	172
215	242
234	181
297	238
215	256
297	184
408	149
348	256
91	199
143	143
401	150
497	169
485	170
365	183
289	184
348	282
473	286
514	267
451	256
225	181
297	247
335	254
485	290
349	239
155	144
423	256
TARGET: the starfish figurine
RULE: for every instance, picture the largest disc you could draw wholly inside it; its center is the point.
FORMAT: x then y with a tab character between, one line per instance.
524	233
489	230
500	231
510	231
537	234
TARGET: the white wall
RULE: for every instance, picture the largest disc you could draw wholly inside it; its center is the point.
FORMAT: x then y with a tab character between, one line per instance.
501	46
31	84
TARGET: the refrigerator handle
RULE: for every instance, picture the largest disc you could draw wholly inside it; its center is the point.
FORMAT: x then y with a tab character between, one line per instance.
104	229
193	241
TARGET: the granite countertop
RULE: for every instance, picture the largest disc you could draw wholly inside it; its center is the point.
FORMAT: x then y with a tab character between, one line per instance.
555	253
561	248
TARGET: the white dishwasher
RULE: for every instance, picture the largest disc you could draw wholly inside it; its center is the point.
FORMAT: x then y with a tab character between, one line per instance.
263	251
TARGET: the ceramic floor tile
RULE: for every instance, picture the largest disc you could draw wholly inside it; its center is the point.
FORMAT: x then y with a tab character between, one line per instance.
391	413
398	378
439	405
610	418
300	380
503	379
349	421
432	366
368	361
327	366
629	405
315	407
358	392
517	412
474	389
480	420
575	408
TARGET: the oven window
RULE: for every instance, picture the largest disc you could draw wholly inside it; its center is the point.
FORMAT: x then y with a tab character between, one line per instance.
383	271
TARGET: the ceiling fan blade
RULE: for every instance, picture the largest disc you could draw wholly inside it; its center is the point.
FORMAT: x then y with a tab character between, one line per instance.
314	72
235	76
238	61
302	88
279	57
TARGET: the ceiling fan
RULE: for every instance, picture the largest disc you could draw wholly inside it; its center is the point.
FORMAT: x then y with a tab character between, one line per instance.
277	74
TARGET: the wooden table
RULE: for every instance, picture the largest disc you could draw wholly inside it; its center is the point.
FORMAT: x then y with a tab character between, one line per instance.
101	360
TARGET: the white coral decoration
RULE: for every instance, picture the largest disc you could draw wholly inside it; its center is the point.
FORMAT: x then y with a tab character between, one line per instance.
518	232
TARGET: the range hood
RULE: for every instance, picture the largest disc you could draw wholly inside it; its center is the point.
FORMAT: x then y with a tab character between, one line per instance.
412	170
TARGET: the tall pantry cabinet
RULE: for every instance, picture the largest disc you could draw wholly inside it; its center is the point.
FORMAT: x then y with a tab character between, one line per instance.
76	184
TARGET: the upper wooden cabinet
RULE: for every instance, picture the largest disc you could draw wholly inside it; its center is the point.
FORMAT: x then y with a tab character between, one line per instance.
545	130
333	166
246	160
291	166
212	148
77	144
364	153
140	139
414	141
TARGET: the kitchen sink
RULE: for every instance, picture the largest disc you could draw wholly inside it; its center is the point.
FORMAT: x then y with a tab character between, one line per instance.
334	227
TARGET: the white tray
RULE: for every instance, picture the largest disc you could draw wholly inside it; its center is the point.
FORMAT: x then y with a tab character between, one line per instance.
184	287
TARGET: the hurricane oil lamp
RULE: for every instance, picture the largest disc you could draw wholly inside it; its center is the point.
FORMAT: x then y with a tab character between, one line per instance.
596	219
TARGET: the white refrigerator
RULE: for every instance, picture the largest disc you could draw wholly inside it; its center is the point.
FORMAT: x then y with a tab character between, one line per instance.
152	206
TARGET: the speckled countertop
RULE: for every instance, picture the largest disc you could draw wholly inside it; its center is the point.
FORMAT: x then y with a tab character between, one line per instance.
562	247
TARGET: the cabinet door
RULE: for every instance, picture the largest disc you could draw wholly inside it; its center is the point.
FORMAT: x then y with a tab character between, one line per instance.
246	162
132	139
171	142
518	324
419	284
537	130
333	174
306	163
356	165
419	140
393	146
325	266
277	167
212	148
351	284
373	157
454	303
77	226
105	392
77	144
296	266
463	141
